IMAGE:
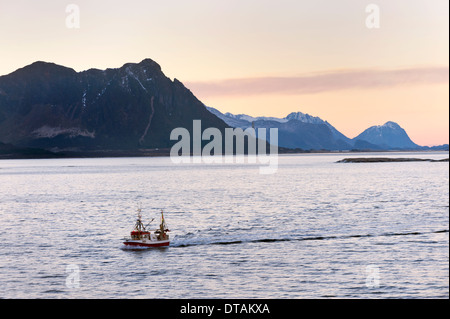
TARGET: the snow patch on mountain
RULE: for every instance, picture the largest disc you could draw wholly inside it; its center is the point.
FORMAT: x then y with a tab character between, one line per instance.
51	132
297	116
305	118
83	99
135	77
251	119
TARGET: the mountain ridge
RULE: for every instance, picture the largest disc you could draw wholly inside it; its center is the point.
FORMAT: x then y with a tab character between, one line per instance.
48	106
389	136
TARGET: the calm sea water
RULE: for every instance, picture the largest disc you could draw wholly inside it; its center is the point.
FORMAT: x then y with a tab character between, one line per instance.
314	229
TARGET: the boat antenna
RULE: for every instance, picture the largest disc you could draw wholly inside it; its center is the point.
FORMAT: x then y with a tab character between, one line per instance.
139	211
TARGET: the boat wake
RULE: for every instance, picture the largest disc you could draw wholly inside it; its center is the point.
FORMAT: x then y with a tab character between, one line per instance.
179	242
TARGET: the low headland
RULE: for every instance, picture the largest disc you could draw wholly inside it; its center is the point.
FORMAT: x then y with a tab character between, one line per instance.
386	160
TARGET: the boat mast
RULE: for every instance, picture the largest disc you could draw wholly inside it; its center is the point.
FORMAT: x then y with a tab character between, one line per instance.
139	226
163	225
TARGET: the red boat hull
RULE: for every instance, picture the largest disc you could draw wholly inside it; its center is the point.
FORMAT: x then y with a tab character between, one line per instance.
140	244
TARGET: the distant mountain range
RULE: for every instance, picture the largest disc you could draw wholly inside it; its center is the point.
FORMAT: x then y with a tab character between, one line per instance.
47	109
300	130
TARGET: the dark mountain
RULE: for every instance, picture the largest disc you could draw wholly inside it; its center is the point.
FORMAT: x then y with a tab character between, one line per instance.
136	106
387	136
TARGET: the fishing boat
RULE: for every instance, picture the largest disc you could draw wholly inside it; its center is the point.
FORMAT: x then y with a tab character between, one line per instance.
141	237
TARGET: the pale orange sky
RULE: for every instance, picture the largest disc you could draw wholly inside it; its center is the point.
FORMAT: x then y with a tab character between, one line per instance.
212	41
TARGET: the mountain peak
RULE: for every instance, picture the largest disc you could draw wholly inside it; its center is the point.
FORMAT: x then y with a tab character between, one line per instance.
390	135
39	64
144	64
391	125
149	63
305	118
43	68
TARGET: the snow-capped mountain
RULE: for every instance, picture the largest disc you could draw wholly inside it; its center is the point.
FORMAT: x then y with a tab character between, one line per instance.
388	136
296	130
305	118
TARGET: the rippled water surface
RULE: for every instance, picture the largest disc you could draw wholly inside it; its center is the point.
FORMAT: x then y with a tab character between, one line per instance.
313	229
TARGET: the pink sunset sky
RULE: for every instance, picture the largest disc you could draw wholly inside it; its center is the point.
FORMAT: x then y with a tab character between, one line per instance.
260	57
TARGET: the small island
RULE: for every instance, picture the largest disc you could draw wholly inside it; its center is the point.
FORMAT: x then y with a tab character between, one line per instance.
387	159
